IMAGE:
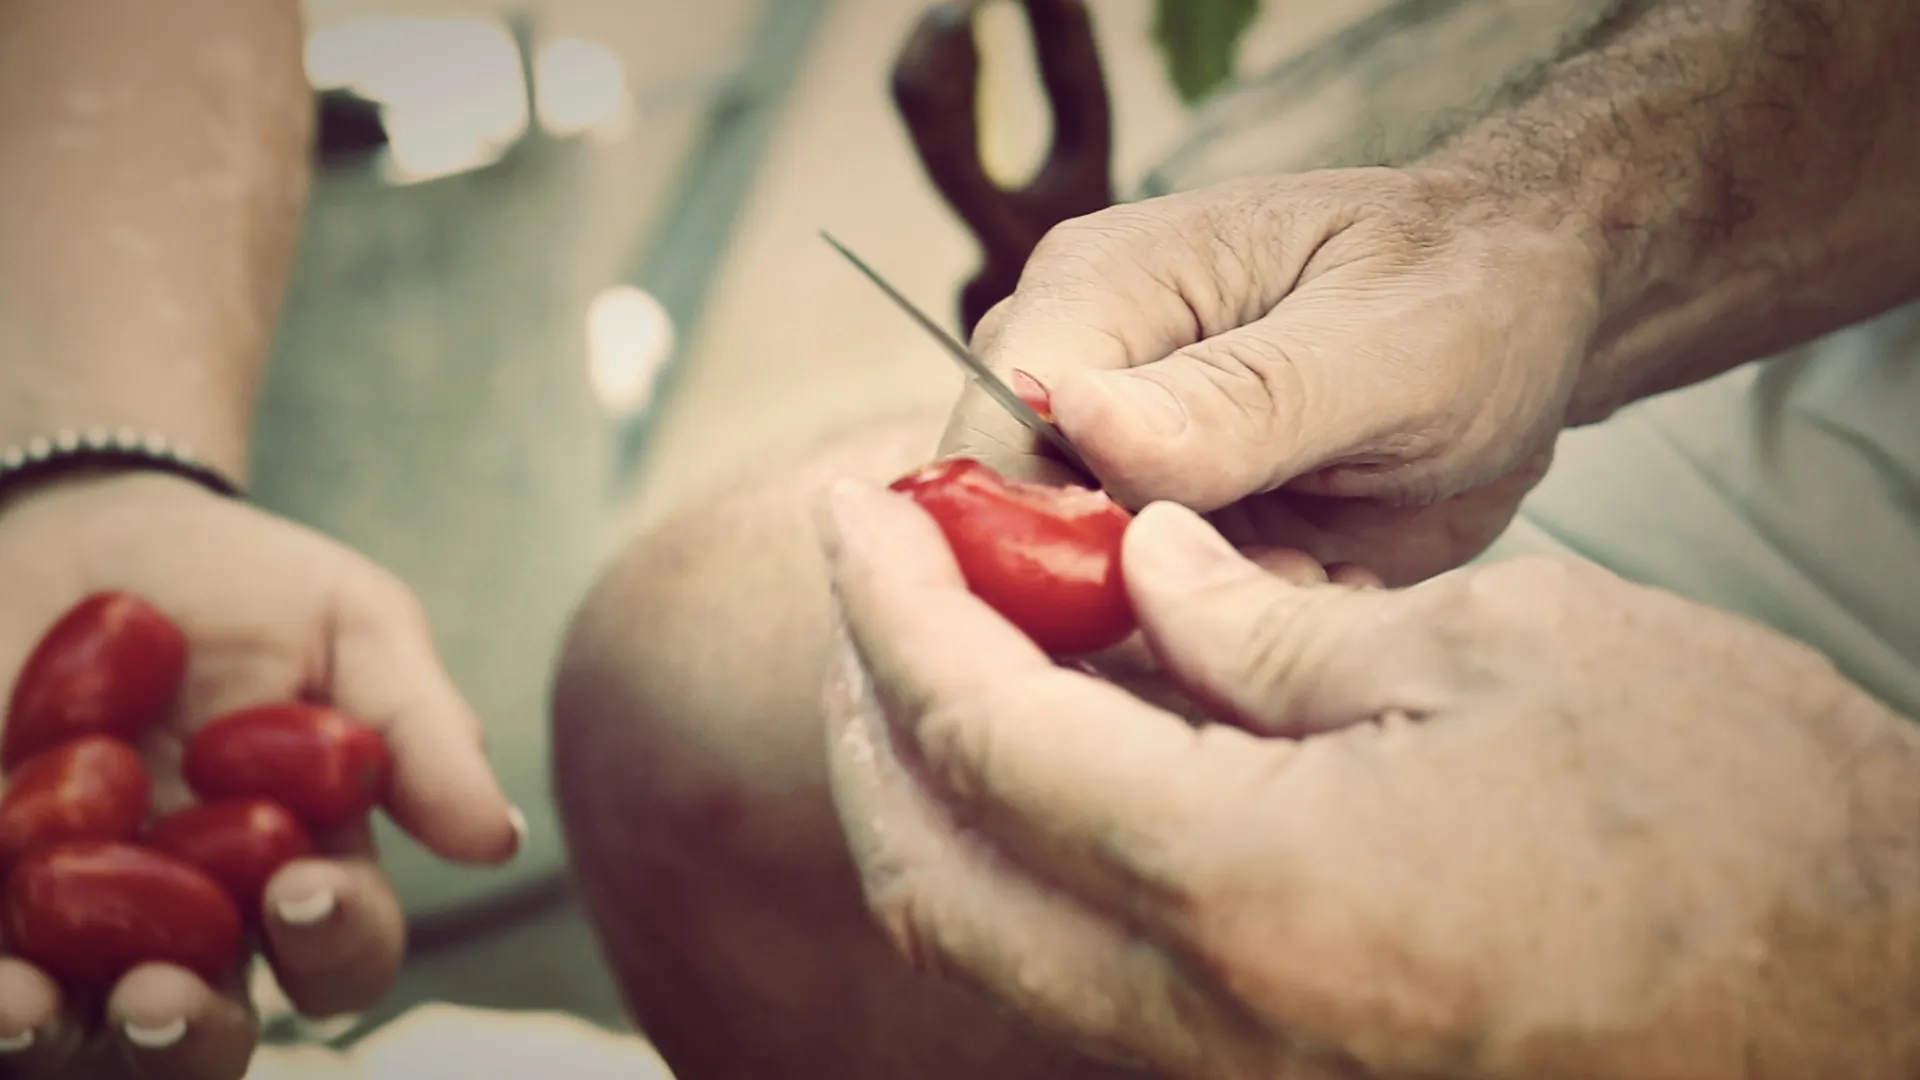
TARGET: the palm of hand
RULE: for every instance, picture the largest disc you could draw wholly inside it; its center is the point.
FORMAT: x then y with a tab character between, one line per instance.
271	612
266	606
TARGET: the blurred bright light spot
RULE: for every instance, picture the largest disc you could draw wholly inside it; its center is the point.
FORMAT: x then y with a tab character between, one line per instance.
629	338
452	91
581	87
1015	125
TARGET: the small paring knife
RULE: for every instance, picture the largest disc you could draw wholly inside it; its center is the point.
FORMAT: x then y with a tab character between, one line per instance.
974	366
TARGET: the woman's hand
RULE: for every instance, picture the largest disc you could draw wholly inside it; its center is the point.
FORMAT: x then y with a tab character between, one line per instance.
1368	364
1522	821
271	611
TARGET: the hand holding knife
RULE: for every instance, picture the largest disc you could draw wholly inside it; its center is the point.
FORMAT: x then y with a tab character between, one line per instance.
974	366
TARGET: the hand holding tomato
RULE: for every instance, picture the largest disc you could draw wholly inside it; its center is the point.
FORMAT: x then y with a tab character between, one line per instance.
1524	821
268	613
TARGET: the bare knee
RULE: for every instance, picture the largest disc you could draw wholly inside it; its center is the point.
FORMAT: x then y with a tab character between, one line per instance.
685	707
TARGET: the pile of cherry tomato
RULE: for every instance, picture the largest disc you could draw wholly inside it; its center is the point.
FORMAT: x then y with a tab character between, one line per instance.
94	885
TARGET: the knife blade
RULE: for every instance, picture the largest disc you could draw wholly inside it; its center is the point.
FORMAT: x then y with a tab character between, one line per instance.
995	387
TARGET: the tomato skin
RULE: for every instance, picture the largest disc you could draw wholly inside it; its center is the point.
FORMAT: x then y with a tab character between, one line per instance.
110	666
88	912
240	843
93	788
324	766
1046	558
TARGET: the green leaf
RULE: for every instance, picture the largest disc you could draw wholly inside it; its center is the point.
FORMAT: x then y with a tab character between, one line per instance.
1200	42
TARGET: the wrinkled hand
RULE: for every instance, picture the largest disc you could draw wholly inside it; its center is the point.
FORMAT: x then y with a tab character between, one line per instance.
1367	364
1521	821
271	611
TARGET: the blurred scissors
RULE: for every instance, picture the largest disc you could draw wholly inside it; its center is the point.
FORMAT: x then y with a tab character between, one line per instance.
991	383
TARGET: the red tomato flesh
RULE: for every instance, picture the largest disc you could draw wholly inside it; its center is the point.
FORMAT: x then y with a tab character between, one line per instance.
1046	558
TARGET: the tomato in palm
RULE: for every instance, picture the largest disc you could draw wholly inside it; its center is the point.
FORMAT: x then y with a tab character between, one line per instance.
93	788
1046	558
110	666
324	766
240	843
88	912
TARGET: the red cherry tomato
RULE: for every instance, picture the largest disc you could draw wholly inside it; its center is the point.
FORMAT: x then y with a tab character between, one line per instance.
110	666
93	788
326	767
88	912
1046	558
241	844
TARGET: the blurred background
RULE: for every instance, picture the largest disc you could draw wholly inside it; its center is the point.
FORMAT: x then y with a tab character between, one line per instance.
562	272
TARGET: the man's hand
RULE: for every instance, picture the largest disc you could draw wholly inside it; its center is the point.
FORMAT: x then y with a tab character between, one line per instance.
1367	364
1521	821
271	612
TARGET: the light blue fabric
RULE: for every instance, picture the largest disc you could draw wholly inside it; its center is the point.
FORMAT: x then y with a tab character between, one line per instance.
1788	491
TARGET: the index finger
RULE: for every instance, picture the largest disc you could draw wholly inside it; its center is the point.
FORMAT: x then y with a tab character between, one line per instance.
980	427
1089	299
1083	781
444	791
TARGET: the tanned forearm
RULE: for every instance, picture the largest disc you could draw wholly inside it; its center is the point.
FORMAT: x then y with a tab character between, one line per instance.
1749	171
153	172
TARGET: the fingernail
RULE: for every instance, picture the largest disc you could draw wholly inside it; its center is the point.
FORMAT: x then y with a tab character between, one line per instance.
1146	400
1033	392
517	821
309	910
1174	542
155	1038
18	1043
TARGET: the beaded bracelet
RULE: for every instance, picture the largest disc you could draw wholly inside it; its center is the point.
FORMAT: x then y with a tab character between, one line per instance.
72	450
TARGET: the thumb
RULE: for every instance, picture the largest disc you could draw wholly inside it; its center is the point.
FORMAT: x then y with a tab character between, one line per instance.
1272	656
1208	425
444	792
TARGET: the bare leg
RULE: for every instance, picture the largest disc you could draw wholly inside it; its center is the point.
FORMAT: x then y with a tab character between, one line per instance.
691	776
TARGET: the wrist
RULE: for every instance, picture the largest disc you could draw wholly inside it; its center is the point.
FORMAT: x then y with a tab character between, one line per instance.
189	423
1562	261
78	457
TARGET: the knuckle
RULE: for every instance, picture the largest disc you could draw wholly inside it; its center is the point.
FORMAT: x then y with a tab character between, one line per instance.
986	333
1256	376
391	602
1279	649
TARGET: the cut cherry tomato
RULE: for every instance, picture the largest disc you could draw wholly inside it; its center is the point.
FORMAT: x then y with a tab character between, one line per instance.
1046	558
88	912
241	844
93	788
110	666
324	766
